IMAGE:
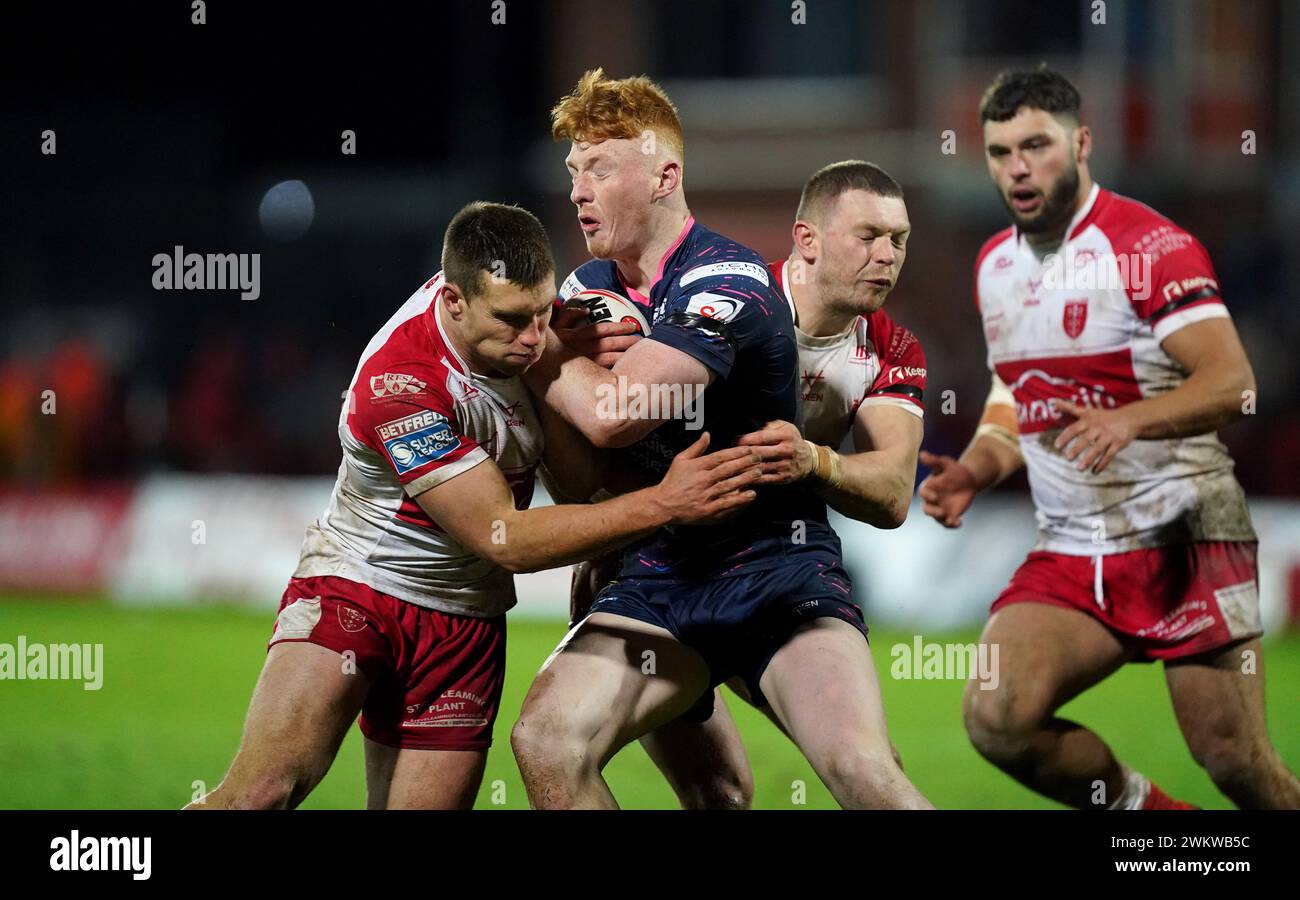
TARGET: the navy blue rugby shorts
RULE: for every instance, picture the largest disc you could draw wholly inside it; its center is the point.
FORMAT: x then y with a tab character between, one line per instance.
737	622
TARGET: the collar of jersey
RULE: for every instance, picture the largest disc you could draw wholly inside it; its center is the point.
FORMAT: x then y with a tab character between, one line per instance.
785	289
824	341
663	261
458	366
1073	231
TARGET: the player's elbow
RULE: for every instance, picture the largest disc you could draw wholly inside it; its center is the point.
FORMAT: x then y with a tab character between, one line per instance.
517	566
896	516
1246	389
1239	391
898	497
505	545
615	434
570	486
605	435
514	562
515	557
893	511
887	510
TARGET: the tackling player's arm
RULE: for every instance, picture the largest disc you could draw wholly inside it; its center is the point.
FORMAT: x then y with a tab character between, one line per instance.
992	456
877	481
477	508
573	470
587	394
873	485
604	343
1213	394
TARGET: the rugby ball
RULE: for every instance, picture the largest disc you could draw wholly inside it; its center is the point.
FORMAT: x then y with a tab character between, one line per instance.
606	306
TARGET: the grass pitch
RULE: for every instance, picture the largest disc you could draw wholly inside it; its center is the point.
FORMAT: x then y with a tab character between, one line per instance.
177	681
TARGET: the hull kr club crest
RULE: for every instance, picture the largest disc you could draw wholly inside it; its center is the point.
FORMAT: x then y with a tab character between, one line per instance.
1075	317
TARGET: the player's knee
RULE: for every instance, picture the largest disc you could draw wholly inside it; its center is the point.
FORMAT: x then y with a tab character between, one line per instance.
261	781
544	738
862	767
263	790
1000	722
276	792
721	790
1228	759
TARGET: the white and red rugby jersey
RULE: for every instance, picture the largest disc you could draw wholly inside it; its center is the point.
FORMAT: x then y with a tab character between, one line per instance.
876	361
1085	324
413	417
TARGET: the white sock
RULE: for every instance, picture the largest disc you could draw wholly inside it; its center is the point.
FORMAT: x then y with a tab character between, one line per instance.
1135	791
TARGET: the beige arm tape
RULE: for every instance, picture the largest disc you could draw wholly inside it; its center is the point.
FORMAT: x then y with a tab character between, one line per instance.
1000	394
826	465
999	420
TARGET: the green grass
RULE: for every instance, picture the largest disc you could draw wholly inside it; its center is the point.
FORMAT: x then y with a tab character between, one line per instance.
177	682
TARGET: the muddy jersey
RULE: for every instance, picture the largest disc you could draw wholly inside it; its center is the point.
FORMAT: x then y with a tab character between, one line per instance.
876	362
413	417
1085	324
713	299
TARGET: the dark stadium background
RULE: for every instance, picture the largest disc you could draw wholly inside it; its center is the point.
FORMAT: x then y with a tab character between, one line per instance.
170	133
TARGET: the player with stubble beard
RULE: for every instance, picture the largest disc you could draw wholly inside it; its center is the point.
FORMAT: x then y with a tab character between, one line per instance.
1108	385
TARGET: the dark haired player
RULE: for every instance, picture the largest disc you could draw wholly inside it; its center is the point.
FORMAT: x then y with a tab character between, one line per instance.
762	597
1114	360
397	608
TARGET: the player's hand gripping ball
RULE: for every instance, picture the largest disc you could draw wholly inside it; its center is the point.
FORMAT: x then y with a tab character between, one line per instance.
600	325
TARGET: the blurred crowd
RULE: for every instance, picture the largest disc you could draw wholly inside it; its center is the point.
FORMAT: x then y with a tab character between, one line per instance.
103	377
116	391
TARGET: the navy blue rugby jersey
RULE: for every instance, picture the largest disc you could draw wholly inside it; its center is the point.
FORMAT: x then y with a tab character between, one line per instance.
714	300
